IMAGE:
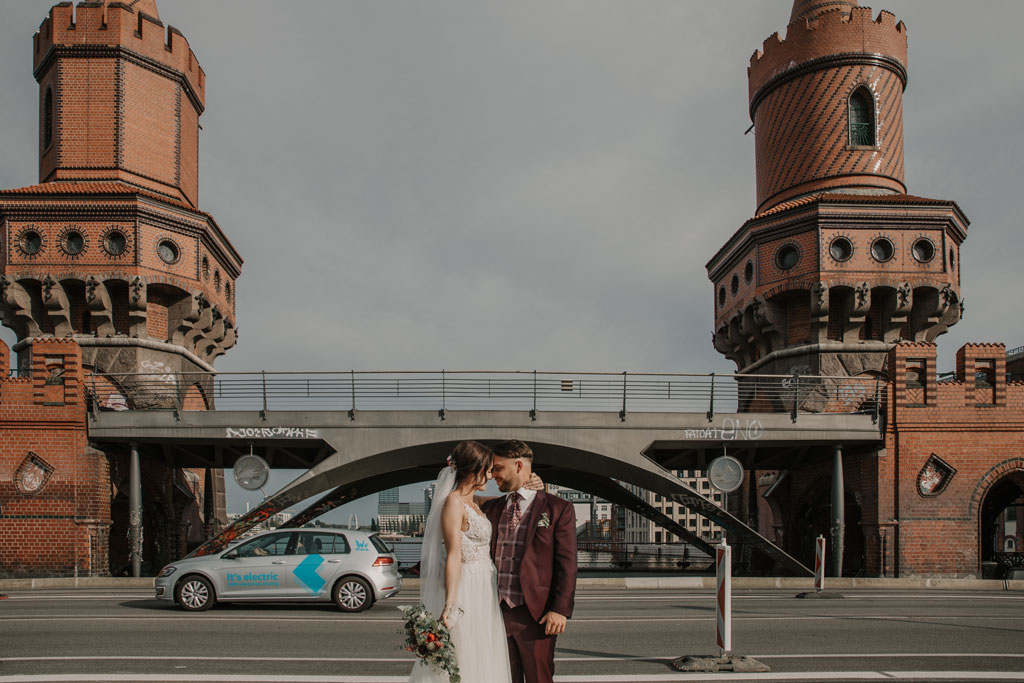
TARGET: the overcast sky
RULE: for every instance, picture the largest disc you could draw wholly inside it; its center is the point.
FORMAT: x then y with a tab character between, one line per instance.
534	184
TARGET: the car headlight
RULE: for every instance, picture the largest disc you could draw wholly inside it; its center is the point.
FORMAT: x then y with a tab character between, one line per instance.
167	571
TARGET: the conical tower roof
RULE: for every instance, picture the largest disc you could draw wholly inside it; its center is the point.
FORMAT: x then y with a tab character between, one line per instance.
809	9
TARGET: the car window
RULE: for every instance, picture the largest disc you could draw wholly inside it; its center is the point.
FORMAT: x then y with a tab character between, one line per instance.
380	545
274	544
312	543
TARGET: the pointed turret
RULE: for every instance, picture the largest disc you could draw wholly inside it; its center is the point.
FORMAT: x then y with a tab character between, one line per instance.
809	9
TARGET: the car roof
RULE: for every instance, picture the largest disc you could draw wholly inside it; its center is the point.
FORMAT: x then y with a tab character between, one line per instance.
313	529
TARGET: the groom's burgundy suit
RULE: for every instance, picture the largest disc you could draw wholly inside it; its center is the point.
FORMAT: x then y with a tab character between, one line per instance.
546	573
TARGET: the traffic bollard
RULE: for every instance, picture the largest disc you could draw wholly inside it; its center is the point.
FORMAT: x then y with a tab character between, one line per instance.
723	596
819	564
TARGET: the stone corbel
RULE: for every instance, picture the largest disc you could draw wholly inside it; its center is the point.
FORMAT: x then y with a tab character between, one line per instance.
899	318
949	312
200	326
57	306
762	326
196	305
230	337
859	307
213	337
101	311
742	345
137	304
819	312
16	304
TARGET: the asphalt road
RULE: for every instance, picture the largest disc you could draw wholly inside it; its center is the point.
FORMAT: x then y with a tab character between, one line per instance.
121	635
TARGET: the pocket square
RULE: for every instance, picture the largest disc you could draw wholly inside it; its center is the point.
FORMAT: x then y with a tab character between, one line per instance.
545	520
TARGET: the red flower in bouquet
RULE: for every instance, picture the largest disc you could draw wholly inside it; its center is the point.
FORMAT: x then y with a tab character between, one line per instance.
430	640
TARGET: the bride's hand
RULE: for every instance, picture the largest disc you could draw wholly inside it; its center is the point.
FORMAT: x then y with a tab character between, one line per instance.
446	615
535	483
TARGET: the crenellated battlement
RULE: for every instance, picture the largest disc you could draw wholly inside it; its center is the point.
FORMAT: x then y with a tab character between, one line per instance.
118	24
830	33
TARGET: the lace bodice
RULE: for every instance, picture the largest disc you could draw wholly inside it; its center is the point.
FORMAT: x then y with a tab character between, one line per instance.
476	540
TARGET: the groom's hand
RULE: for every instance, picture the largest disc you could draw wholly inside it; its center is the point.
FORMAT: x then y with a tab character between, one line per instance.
554	623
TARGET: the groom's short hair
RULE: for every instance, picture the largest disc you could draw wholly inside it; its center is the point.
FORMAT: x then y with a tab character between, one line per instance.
513	448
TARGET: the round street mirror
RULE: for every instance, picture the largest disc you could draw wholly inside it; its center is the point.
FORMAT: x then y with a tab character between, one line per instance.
726	473
251	472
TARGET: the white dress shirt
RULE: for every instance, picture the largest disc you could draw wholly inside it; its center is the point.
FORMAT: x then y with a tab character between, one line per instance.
526	497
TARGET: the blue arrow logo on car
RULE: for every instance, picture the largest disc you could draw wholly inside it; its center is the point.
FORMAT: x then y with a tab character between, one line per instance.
306	573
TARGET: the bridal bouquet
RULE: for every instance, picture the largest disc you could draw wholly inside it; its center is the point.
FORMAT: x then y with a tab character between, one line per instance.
429	639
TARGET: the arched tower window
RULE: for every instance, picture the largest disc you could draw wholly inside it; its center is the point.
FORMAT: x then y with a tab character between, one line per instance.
862	118
47	118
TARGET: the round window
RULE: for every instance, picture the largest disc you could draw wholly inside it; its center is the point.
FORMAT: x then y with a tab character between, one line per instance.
721	296
30	243
882	250
787	257
735	285
115	243
748	272
924	250
841	249
72	243
168	251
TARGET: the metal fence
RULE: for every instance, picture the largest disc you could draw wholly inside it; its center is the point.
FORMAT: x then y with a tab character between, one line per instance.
532	391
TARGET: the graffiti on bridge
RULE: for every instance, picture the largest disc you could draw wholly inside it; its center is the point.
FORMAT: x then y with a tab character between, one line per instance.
731	429
271	433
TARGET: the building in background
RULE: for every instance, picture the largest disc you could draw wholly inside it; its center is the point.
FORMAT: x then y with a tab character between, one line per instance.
701	526
397	518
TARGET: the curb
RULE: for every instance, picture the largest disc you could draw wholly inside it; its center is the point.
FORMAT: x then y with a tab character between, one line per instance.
617	582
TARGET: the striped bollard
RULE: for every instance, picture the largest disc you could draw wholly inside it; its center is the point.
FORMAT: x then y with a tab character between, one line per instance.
723	597
819	564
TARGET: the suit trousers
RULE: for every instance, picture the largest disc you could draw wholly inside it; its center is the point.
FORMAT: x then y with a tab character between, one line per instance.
531	653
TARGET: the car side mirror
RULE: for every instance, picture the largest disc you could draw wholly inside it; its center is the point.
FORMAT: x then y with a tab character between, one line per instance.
230	555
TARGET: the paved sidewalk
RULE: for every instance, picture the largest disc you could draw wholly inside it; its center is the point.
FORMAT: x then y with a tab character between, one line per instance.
620	582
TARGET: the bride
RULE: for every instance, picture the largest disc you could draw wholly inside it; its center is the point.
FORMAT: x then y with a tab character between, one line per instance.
462	586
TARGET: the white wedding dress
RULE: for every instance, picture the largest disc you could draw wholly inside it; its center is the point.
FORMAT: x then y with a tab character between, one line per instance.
478	635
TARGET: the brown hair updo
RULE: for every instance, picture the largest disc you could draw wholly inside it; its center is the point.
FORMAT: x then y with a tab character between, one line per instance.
472	460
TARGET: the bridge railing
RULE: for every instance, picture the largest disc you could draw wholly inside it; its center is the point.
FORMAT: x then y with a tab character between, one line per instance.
442	391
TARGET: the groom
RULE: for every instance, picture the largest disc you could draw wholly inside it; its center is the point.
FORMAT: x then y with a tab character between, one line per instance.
534	549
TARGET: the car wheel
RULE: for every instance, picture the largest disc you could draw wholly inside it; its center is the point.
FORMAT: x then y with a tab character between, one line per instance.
195	594
352	594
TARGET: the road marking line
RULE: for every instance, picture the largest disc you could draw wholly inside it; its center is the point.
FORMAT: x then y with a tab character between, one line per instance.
632	678
578	620
410	659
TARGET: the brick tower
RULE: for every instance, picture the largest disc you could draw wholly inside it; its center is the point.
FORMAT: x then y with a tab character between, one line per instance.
108	267
110	248
839	262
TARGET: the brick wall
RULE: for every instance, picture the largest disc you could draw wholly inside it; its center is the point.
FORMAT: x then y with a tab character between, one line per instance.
61	526
799	103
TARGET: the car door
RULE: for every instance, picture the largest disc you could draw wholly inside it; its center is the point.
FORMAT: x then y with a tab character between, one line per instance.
313	563
258	569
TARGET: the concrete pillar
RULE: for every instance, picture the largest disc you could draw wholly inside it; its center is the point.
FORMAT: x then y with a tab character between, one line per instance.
838	509
135	511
